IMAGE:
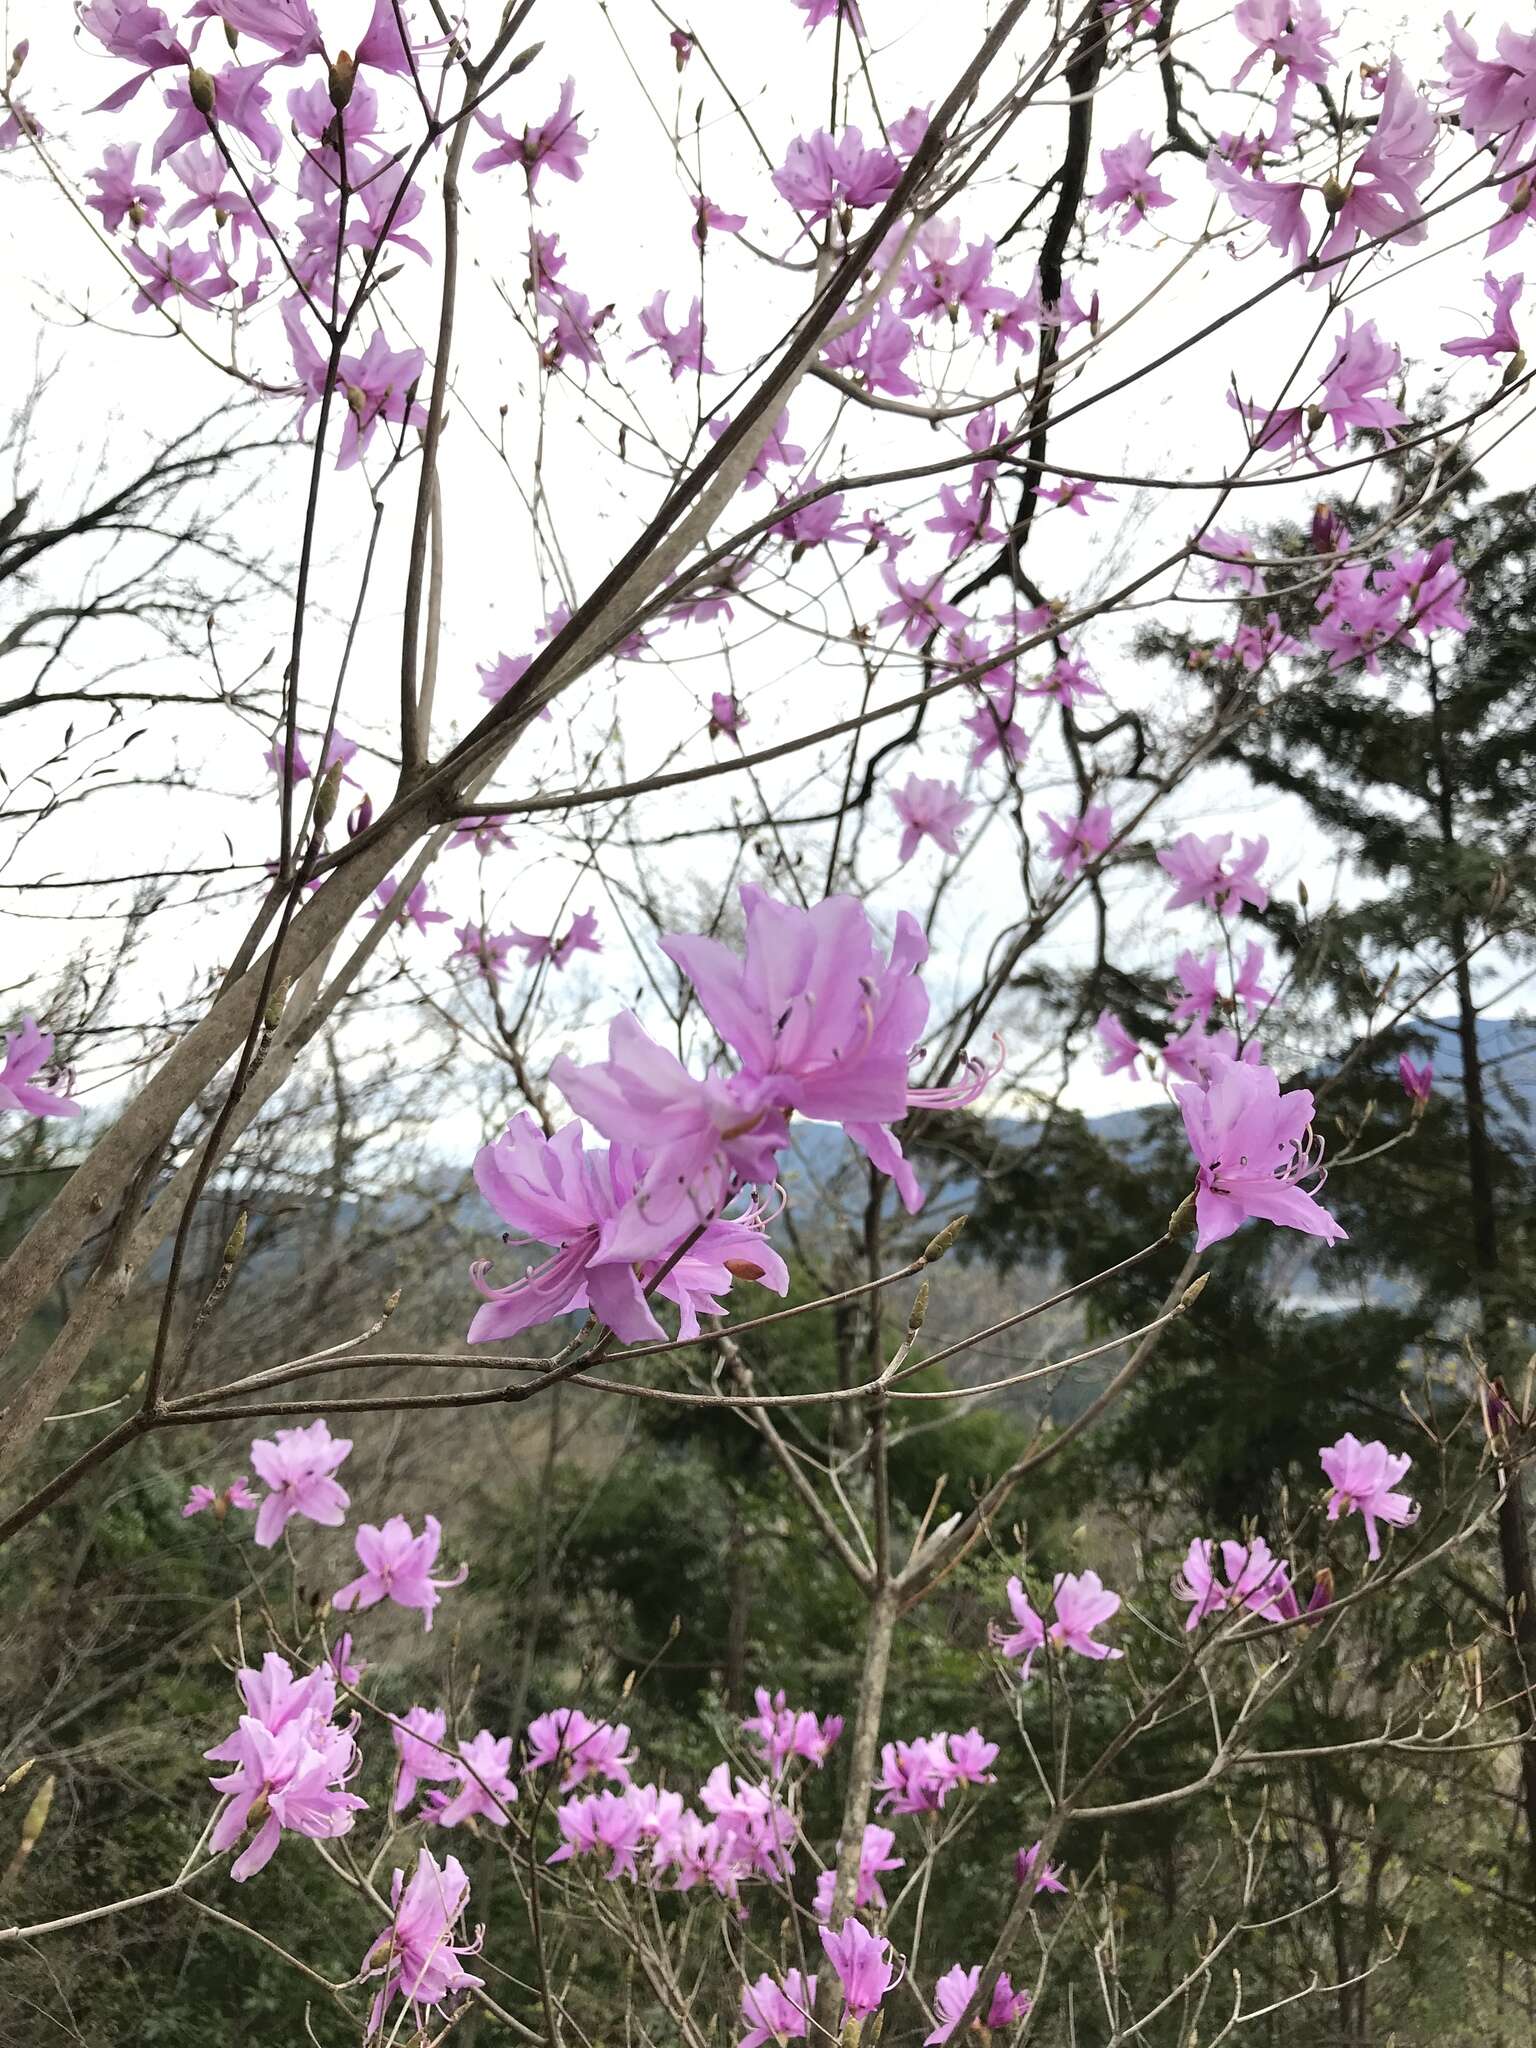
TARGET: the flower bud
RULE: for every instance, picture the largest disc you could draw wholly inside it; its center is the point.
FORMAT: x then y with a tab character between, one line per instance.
1322	1591
200	87
1514	370
136	213
1315	418
18	58
343	76
919	1312
236	1241
325	801
360	817
272	1016
1182	1217
936	1247
231	35
37	1817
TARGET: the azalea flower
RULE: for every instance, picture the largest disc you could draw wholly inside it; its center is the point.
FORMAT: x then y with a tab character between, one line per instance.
865	1967
1254	1147
417	1954
929	809
397	1567
1362	1477
28	1051
1082	1603
954	1992
298	1468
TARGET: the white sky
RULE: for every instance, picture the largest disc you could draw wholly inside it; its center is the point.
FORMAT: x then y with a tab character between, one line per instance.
625	228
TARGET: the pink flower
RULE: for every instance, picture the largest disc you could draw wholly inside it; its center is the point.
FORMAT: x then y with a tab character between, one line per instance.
483	1770
174	270
1198	1054
918	1776
418	1739
118	195
1501	339
929	809
940	280
707	215
214	190
968	520
1497	95
777	2014
397	1567
27	1053
488	950
1121	1050
292	1759
919	609
1382	195
994	728
417	1954
683	347
537	947
1027	1863
776	448
1256	1580
873	353
875	1859
203	1500
377	385
1254	1147
1199	981
298	1469
820	174
415	911
338	752
583	1748
240	103
1129	182
1076	494
1417	1081
815	524
1362	1477
1202	875
1078	839
864	1964
782	1731
483	834
726	716
556	1191
555	143
954	1992
1082	1604
1361	363
140	35
1247	988
818	11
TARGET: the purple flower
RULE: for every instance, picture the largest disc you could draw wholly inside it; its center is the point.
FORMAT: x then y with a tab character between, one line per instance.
341	1663
1254	1147
1417	1081
1197	1055
27	1053
555	142
119	195
994	727
783	1731
918	1776
298	1469
682	45
583	1748
377	385
777	2014
1129	182
139	35
287	26
338	752
1497	95
726	716
919	609
488	950
1121	1050
537	947
1382	196
1247	988
954	1992
1202	874
483	834
1027	1863
1082	1604
214	190
776	448
821	174
875	1858
929	809
940	280
1233	555
418	1739
483	1769
203	1500
415	911
1501	339
874	351
555	1191
1199	978
818	11
417	1955
1076	494
813	525
240	103
174	270
864	1964
1076	840
683	347
1360	365
1362	1477
967	520
397	1566
1255	1579
707	215
288	1757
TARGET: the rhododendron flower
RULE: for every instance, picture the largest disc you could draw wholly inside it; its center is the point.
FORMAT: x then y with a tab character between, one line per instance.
559	1192
919	609
994	727
1256	646
288	1756
1254	1147
1417	1081
968	520
1076	494
707	215
1497	95
1197	1054
918	1776
1362	362
1232	558
298	1468
341	1663
864	1964
28	1051
874	1859
1026	1865
555	143
118	195
140	35
397	1567
1255	1579
583	1748
820	174
483	834
1198	978
483	1769
941	280
1203	874
173	271
376	385
416	909
726	716
954	1992
756	1831
1079	839
1362	1477
783	1731
683	347
1081	1603
1247	987
1382	196
488	950
339	750
929	809
203	1500
776	448
1129	182
1501	339
874	351
214	190
1280	209
814	524
1120	1049
418	1739
775	2013
417	1954
240	103
818	11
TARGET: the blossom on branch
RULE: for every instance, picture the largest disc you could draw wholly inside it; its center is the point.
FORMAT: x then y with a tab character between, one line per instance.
1254	1148
28	1051
397	1566
417	1954
1362	1477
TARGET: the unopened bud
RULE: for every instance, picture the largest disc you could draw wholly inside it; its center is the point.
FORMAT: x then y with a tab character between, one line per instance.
137	214
1315	418
342	78
1322	1590
1514	370
231	35
1182	1217
392	1304
1301	895
18	1774
1522	195
919	1313
37	1816
18	58
360	817
236	1241
851	2031
1334	194
200	87
358	400
1193	1291
325	801
272	1016
936	1247
523	59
